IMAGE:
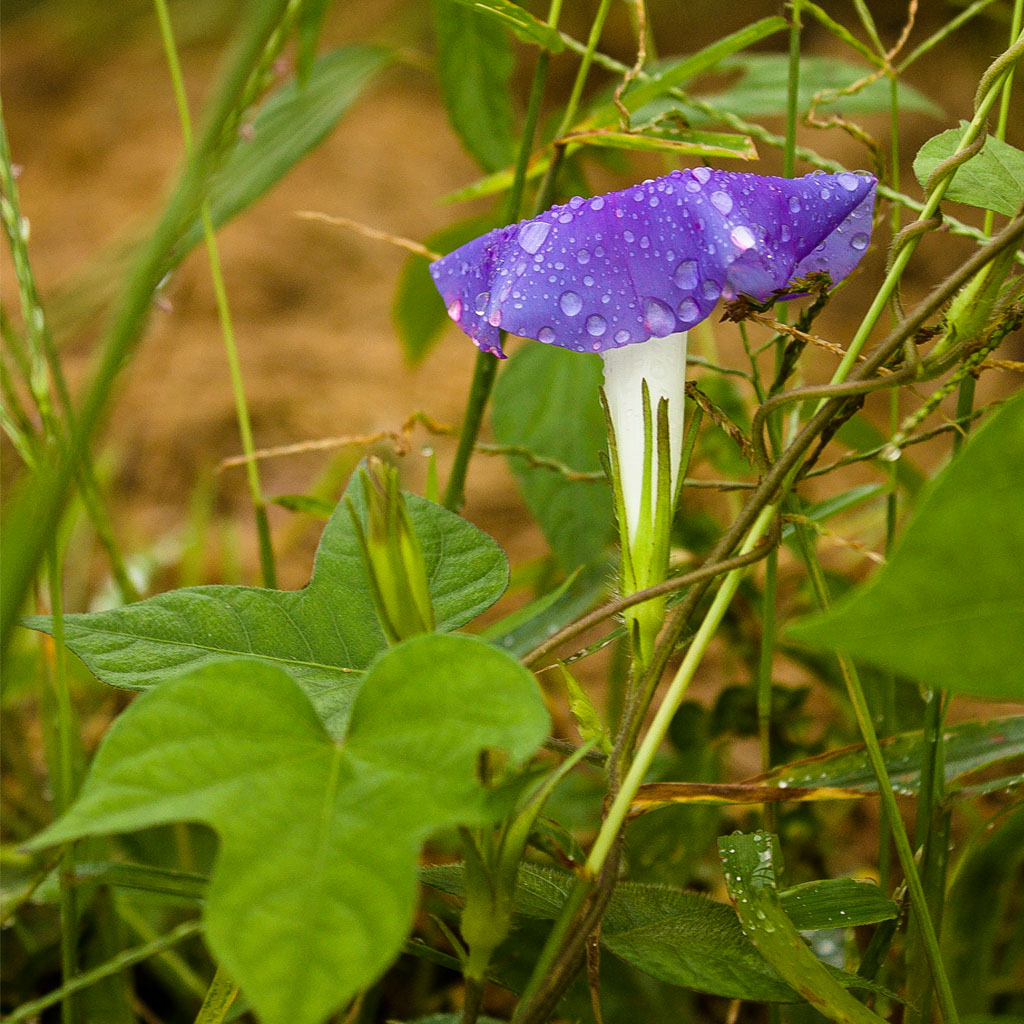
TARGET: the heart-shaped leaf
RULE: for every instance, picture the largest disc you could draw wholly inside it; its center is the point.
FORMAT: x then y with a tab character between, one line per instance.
323	635
319	841
948	608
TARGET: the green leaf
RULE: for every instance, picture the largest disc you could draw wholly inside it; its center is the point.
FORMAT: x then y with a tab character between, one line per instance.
290	124
418	312
992	180
546	401
323	635
311	22
762	87
836	903
528	28
966	747
475	62
680	937
948	608
748	864
319	842
681	142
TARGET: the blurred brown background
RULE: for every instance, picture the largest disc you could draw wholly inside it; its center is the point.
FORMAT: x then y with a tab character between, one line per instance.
91	119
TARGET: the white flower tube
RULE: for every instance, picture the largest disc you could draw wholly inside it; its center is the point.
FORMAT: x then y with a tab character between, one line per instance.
662	363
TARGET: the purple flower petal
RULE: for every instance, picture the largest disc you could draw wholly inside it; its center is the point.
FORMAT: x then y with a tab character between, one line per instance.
653	259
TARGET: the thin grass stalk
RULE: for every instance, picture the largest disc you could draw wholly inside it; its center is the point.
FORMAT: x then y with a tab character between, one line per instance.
62	774
485	367
37	504
121	962
267	566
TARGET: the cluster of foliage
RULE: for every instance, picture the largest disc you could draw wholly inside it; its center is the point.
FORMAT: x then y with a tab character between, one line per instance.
324	736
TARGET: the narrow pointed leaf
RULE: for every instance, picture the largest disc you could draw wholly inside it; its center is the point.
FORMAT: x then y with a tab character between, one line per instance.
318	841
324	635
748	864
526	27
290	123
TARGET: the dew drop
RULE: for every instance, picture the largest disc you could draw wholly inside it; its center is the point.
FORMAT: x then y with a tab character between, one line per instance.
546	334
571	303
565	217
629	236
480	303
710	290
588	280
689	311
455	310
794	204
622	337
658	318
825	194
576	202
722	202
784	233
596	325
742	237
848	181
597	203
653	202
645	242
859	241
582	257
685	275
495	318
702	174
531	236
890	453
692	186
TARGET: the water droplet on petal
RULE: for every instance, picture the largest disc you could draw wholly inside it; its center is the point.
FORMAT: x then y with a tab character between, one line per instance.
653	202
658	318
596	325
455	310
480	303
644	242
565	217
722	202
571	303
794	204
597	203
848	181
859	241
546	334
576	202
531	236
495	318
582	257
742	237
825	194
689	311
588	280
702	174
710	290
685	275
629	236
622	337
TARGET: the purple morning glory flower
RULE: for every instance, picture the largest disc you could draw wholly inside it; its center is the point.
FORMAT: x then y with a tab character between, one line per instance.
628	274
654	259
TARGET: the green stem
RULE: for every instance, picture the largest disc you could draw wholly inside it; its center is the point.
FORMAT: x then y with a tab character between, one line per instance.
652	740
64	785
792	92
931	206
223	310
1004	99
485	369
904	852
764	672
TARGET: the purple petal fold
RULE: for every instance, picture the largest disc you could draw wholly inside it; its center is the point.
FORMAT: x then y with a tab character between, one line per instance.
653	259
